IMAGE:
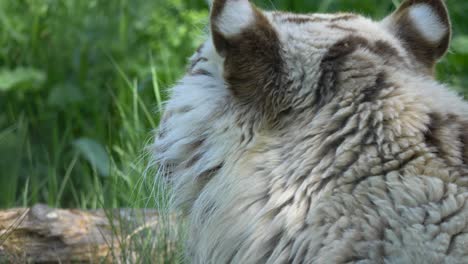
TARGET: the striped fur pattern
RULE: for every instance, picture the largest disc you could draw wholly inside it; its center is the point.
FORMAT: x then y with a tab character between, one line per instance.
319	138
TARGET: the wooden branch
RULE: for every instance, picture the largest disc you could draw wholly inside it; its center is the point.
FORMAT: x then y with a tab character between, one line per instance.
42	234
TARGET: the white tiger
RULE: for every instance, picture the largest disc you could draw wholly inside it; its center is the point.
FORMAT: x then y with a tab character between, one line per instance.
319	138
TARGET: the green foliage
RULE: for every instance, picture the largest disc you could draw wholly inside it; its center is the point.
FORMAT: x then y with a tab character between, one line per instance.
21	79
82	83
94	153
78	96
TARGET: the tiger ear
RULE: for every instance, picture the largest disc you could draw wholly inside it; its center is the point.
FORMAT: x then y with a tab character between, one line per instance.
424	27
228	19
250	46
232	19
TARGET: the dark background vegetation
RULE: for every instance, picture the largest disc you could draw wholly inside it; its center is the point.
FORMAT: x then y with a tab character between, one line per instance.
81	83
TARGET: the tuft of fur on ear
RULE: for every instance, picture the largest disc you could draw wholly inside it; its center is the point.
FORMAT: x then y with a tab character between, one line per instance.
424	28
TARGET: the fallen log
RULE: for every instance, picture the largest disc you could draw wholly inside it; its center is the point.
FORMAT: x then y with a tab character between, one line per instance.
45	235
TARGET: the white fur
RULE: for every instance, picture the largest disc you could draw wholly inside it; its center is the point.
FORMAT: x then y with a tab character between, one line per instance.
427	22
235	17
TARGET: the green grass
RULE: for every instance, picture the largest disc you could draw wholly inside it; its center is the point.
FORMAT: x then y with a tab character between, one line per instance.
80	91
82	83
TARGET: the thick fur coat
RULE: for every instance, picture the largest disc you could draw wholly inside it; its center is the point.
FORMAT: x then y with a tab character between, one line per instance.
319	138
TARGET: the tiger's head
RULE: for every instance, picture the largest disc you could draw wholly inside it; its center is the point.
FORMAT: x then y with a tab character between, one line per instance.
268	88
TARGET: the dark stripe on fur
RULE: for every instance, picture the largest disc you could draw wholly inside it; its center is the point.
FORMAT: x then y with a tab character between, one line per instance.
194	159
301	20
336	26
464	142
314	19
201	72
195	62
372	92
386	50
448	127
334	59
344	17
331	65
435	124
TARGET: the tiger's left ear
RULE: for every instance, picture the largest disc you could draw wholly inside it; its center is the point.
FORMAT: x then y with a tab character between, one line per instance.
424	27
250	46
236	21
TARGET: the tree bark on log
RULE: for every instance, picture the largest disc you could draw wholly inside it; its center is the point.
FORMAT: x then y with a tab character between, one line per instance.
44	235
